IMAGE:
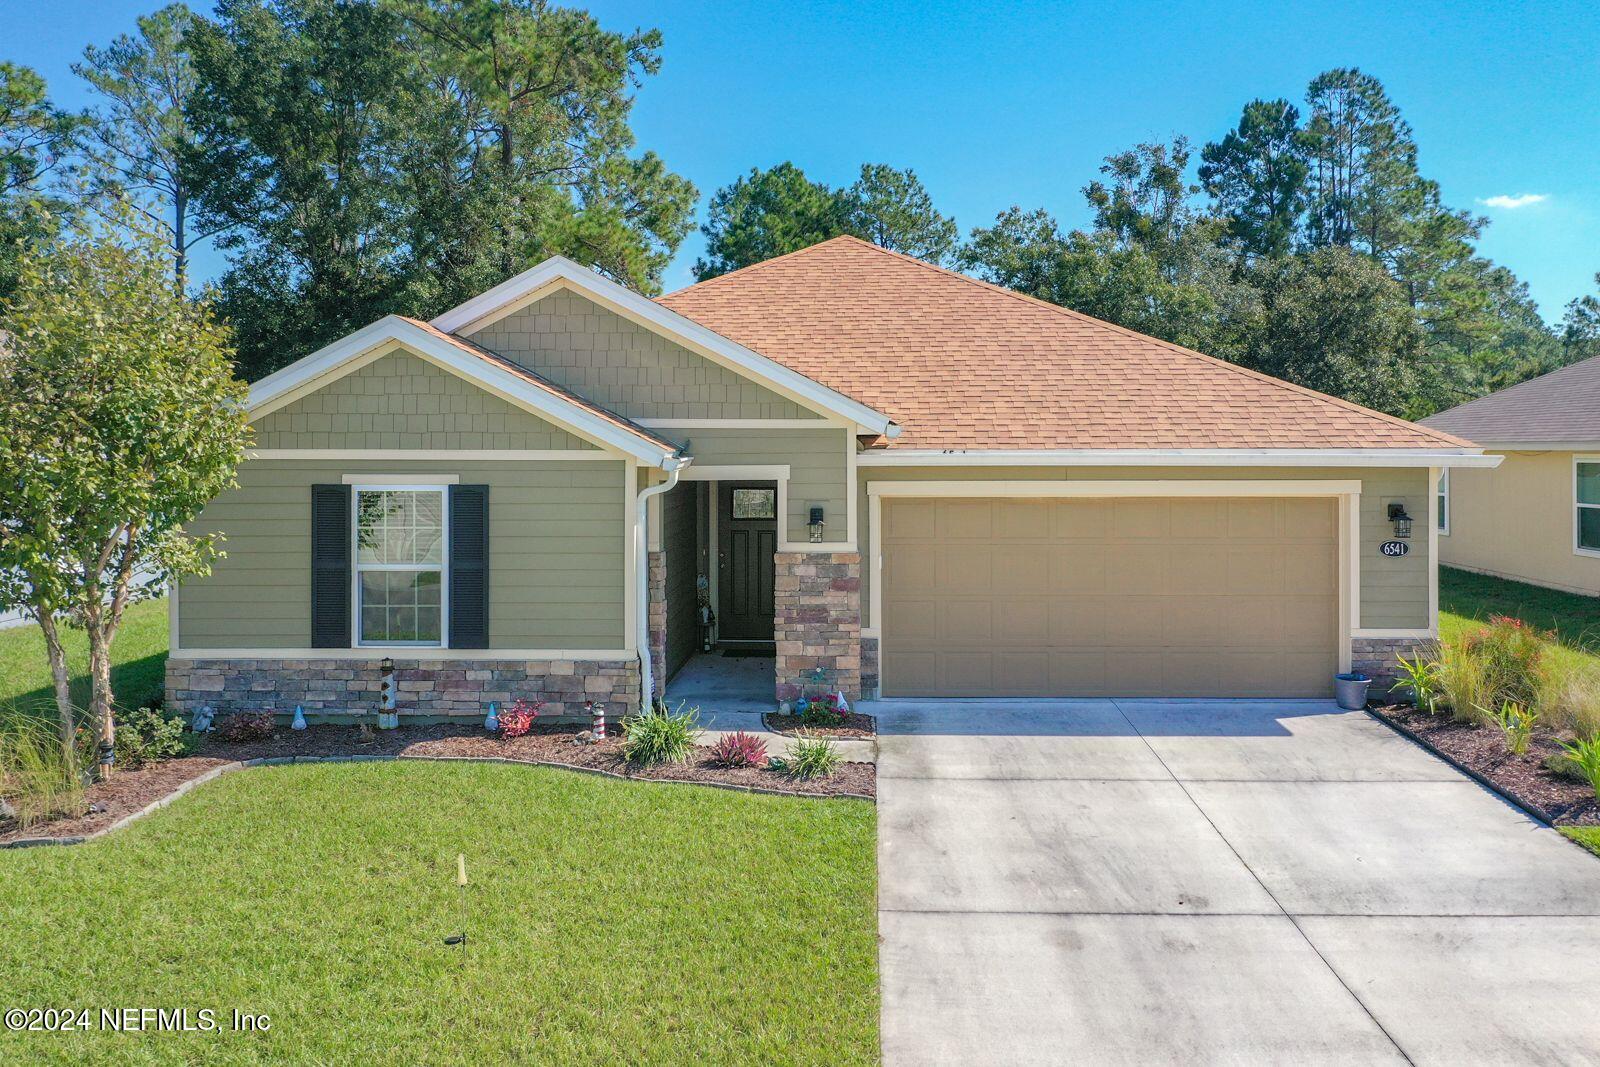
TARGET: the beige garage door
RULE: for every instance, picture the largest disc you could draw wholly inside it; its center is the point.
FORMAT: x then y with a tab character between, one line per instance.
1122	597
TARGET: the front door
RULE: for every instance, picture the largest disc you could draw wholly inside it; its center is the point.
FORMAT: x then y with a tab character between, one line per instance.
747	537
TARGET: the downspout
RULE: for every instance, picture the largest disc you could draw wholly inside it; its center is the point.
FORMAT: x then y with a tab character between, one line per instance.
641	557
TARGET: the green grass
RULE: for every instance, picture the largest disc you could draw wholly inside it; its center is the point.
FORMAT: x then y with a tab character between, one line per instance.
1587	836
1465	598
139	661
609	922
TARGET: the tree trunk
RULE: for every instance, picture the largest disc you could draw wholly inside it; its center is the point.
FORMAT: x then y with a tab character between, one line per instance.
58	674
100	700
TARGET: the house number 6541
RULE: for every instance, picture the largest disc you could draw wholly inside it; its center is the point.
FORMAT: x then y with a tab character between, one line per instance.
1394	548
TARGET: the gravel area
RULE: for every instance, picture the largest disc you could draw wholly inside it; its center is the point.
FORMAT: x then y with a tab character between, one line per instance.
1566	801
129	791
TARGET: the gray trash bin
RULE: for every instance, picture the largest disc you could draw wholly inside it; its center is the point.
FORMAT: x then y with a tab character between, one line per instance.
1350	690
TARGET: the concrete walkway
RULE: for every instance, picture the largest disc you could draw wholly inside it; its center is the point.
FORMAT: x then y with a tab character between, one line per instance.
1215	882
733	693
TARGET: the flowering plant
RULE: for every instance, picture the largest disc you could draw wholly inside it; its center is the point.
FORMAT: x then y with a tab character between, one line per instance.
822	711
518	718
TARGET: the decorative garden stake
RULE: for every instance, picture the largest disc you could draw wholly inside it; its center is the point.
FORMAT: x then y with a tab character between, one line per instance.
491	722
597	712
388	718
299	719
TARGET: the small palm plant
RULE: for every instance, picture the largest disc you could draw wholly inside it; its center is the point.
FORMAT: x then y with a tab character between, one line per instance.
1585	757
1421	676
1516	722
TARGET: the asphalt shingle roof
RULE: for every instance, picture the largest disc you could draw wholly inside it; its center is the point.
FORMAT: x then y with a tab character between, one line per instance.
1563	405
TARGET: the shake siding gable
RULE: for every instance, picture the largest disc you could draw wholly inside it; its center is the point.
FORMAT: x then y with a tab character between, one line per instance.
624	367
402	401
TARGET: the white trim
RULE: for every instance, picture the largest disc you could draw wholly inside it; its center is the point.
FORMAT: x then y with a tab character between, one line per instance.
374	653
514	293
347	353
363	481
1436	477
1347	493
852	455
1417	634
818	423
1440	479
1090	488
1540	446
1578	506
1182	457
357	568
422	455
770	472
630	599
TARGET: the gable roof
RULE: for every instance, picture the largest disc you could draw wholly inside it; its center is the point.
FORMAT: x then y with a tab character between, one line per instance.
1563	405
560	272
476	364
962	364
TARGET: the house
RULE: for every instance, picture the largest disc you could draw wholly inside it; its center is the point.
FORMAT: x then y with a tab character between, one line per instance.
1535	517
890	478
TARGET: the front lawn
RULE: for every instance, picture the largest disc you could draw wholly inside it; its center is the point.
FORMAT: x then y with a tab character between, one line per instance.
139	662
1587	836
1465	597
608	922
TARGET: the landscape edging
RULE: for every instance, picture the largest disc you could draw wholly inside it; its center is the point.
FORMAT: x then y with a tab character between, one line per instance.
276	761
1528	808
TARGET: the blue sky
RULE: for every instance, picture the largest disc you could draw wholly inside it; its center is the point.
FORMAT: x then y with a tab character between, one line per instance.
996	105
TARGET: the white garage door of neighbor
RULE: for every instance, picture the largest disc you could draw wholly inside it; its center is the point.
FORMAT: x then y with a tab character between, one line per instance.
1169	597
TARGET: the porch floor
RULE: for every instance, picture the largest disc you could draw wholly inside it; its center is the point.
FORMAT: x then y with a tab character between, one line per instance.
724	685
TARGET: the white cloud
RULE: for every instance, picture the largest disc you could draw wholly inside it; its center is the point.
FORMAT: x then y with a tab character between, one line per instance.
1511	203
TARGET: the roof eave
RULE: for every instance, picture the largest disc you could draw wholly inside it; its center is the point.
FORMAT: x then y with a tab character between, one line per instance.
1181	457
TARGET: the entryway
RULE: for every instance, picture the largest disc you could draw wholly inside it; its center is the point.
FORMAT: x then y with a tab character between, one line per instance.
715	683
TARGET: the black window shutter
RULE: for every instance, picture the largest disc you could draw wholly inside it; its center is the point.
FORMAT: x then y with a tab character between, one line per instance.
469	566
330	566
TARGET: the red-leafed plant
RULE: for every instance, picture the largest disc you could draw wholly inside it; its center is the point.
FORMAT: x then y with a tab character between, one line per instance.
518	718
823	711
739	749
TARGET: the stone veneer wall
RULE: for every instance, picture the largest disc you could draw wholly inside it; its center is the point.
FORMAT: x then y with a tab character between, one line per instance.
657	604
817	620
869	668
342	689
1375	657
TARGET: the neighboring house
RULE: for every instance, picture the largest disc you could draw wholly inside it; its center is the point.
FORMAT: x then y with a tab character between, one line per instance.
920	484
1536	517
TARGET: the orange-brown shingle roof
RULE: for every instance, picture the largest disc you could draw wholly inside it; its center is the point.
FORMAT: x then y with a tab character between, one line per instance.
962	364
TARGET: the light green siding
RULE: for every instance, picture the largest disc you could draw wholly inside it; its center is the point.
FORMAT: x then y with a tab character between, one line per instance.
819	473
622	366
557	538
402	401
1394	591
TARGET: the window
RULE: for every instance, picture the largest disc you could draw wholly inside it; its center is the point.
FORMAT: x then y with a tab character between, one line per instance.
399	565
1443	520
1587	491
755	503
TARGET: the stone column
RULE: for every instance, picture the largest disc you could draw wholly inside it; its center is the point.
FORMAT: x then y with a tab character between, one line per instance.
817	620
657	577
870	678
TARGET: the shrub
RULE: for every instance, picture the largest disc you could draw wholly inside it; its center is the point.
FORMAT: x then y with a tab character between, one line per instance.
1511	652
40	778
1516	722
518	718
659	736
1585	757
1422	678
1569	695
822	711
246	726
1462	682
812	757
147	736
739	749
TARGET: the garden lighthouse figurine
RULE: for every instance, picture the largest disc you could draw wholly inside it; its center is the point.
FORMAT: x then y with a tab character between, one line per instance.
388	717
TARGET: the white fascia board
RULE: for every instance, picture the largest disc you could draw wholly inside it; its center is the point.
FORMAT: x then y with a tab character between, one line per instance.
1182	457
480	310
1542	446
497	379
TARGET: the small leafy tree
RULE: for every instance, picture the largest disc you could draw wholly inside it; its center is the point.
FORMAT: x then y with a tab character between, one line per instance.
119	419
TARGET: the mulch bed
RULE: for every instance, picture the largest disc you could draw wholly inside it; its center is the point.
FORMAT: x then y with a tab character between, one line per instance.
129	791
855	725
1565	801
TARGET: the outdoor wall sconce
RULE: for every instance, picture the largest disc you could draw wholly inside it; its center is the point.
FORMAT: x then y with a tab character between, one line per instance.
1402	521
815	524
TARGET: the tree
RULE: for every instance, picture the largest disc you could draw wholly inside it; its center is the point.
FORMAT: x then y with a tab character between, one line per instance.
764	214
1334	321
119	419
36	141
892	209
1580	327
142	140
1256	176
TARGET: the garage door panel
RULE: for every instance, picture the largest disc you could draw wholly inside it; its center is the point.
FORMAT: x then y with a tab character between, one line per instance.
1179	597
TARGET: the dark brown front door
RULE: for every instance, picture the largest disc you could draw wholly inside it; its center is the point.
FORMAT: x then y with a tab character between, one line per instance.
747	537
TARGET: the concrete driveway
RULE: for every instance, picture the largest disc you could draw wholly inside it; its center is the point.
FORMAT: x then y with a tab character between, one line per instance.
1215	882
